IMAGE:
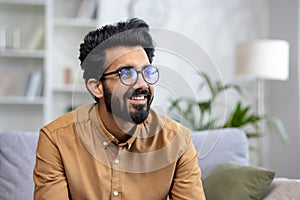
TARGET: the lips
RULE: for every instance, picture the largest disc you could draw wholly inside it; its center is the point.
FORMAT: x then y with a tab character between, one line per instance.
139	97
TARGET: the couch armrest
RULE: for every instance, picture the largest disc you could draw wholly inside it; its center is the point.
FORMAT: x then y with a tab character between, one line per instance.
283	188
17	158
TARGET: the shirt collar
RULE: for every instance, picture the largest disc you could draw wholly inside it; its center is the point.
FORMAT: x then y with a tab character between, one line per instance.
112	139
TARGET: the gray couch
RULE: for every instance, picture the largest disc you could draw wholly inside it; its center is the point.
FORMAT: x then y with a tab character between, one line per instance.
17	158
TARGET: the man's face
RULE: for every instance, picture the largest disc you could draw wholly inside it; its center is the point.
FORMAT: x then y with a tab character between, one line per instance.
130	103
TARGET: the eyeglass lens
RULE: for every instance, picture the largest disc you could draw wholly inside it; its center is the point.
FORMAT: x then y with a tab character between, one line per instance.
129	75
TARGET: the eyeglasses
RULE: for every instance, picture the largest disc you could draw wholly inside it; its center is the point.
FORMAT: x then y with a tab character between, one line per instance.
129	76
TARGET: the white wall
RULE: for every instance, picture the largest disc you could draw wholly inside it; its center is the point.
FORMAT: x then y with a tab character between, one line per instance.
284	96
206	30
216	26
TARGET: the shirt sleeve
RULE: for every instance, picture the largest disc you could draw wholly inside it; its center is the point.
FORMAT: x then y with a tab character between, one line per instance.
187	184
49	176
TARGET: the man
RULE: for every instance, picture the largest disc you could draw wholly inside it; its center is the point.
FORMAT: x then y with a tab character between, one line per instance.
117	148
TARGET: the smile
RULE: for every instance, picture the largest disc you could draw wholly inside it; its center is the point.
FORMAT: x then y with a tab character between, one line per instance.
141	99
137	98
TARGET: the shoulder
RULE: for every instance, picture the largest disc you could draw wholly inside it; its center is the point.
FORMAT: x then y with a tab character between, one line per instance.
65	122
172	139
170	127
61	122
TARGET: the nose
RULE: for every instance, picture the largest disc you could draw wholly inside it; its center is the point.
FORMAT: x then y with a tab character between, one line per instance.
140	83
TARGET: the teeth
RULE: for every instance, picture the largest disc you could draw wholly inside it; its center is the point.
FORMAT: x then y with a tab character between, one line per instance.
138	98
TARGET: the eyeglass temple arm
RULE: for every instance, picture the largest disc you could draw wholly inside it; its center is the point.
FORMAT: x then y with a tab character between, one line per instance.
107	74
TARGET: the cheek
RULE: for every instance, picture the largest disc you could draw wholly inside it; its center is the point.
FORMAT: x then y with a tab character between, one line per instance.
151	89
118	92
114	86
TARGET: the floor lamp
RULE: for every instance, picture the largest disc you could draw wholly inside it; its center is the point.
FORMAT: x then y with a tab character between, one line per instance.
265	60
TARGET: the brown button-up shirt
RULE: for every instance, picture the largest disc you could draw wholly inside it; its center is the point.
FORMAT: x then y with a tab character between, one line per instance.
77	158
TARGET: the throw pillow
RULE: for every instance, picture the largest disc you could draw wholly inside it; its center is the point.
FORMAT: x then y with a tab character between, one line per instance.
231	181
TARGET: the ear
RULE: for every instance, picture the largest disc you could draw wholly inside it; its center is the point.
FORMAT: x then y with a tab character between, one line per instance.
95	87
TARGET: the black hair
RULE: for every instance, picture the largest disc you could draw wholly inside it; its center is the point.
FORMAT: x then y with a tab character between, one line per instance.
133	32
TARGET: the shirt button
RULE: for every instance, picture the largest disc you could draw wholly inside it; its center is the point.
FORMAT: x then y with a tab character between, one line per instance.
117	161
104	143
116	193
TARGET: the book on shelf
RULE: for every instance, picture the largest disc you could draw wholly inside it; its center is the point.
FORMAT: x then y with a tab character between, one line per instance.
87	9
34	84
37	38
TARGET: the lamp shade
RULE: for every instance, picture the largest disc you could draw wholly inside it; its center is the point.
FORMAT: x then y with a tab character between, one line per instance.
265	59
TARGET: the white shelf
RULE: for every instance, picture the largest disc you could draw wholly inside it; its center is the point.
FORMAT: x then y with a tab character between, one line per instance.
63	33
22	53
21	100
24	2
75	22
69	89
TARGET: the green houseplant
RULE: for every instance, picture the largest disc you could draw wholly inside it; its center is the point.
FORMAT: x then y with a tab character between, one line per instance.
197	114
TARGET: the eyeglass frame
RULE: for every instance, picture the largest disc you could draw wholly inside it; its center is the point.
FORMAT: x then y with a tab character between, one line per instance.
118	71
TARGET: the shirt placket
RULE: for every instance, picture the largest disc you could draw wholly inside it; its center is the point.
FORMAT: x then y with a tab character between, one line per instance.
116	177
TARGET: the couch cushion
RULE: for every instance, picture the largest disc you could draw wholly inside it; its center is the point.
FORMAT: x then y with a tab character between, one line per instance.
17	158
218	146
233	181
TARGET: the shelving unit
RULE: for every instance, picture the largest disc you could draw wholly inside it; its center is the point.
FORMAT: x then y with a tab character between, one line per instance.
20	54
23	2
42	35
21	100
67	32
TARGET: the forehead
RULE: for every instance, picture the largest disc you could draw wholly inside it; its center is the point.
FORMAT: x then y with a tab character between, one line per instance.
125	56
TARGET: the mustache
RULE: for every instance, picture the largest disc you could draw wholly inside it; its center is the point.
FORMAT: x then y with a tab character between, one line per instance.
137	92
141	92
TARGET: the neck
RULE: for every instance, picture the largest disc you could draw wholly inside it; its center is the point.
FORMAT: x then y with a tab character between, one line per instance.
122	130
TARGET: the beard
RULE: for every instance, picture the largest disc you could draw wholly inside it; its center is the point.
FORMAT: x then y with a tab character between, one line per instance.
114	105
